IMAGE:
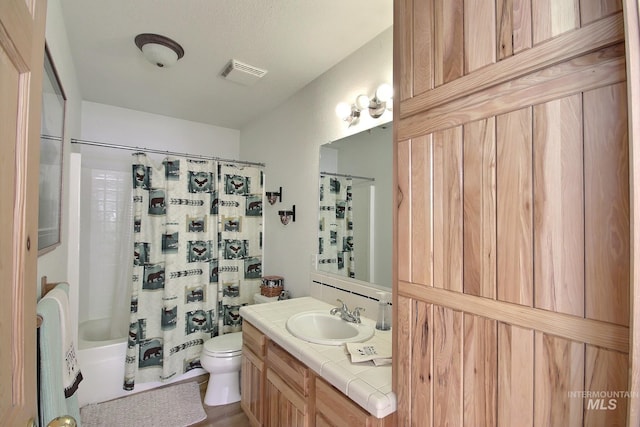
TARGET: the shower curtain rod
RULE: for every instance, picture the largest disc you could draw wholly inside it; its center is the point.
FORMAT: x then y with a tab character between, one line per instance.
154	151
344	175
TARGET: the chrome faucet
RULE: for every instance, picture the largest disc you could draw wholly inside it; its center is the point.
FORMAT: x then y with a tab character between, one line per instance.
346	314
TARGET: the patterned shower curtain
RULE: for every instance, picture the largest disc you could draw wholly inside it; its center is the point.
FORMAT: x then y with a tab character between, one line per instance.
197	259
335	246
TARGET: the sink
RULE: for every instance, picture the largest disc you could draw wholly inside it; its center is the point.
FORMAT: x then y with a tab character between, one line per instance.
320	327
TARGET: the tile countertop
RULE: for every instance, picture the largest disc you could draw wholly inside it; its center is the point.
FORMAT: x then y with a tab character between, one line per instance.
367	385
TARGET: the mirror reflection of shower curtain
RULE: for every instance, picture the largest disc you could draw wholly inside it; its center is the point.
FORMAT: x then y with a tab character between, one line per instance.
197	260
335	245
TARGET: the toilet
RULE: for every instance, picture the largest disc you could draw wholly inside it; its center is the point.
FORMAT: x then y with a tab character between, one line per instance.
222	358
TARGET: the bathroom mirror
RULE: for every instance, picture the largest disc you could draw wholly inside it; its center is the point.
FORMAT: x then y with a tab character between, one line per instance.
51	139
355	206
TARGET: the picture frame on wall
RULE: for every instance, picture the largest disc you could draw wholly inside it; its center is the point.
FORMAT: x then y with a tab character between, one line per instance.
51	158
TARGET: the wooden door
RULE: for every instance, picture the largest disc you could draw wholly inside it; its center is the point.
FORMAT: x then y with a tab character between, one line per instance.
21	69
512	298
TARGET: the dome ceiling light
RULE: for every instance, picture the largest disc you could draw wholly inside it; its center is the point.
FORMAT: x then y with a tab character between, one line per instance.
159	50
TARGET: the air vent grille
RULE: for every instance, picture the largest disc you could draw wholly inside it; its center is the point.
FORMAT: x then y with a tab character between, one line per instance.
242	73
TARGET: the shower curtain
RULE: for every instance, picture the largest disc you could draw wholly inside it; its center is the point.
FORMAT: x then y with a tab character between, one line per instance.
197	259
335	246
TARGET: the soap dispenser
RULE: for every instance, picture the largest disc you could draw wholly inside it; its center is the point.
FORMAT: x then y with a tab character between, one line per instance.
384	312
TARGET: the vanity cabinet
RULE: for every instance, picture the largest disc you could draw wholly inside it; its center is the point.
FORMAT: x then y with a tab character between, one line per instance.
287	390
334	409
279	390
253	378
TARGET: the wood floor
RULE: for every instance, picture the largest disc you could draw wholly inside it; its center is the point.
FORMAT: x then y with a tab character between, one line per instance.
221	416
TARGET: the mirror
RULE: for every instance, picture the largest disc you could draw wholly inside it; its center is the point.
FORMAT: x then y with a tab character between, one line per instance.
355	206
51	137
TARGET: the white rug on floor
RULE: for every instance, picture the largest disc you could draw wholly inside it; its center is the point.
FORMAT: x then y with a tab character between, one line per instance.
176	405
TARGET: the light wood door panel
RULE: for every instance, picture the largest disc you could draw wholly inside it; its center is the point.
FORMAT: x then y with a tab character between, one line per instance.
448	336
559	370
479	194
480	34
514	177
422	374
554	17
447	209
606	372
403	226
513	162
22	26
515	376
606	171
558	192
421	210
480	371
448	43
591	10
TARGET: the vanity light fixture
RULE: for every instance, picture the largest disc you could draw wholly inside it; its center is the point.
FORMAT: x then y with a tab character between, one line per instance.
273	196
348	113
287	216
159	50
377	105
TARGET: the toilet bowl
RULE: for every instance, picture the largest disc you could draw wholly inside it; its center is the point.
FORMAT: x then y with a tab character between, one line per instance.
222	357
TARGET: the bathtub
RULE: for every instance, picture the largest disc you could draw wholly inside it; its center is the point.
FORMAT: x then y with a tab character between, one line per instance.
101	359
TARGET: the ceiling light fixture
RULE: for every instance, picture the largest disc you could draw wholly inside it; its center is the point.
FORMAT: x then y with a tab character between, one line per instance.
159	50
377	105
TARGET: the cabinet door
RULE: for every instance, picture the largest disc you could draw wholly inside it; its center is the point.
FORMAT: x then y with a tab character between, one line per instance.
285	406
252	387
335	409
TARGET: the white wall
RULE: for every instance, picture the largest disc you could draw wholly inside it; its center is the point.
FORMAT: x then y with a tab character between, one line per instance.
288	141
121	126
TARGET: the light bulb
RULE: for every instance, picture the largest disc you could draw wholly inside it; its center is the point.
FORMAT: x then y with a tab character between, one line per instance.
384	92
362	102
343	110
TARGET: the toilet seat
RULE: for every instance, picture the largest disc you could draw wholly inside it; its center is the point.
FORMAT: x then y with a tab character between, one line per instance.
228	345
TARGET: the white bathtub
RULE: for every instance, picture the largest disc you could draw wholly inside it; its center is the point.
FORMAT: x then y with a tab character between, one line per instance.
101	359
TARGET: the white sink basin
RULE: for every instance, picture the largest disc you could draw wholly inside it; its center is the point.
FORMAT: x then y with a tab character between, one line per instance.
320	327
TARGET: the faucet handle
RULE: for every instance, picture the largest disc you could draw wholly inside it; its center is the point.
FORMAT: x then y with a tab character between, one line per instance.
356	313
344	306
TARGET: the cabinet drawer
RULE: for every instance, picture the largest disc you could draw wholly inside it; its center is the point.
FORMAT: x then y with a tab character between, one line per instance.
253	338
288	368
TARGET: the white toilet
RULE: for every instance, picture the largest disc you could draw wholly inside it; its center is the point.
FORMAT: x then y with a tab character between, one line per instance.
222	358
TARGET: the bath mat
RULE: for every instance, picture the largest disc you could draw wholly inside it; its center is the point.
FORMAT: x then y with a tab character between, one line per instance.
176	405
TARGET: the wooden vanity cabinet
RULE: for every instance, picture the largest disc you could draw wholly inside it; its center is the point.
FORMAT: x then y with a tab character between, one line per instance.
253	378
288	389
334	409
279	390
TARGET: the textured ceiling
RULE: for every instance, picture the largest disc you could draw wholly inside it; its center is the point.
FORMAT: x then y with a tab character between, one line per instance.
295	40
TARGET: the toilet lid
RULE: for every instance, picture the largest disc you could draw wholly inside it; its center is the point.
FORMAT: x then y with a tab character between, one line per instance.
227	343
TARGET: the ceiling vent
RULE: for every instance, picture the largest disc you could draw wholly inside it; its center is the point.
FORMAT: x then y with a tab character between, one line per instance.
242	73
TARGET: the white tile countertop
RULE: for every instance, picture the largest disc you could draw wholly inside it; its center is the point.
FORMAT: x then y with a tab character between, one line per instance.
367	385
